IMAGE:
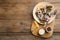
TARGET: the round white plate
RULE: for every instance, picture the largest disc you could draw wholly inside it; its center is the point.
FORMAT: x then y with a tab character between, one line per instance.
34	11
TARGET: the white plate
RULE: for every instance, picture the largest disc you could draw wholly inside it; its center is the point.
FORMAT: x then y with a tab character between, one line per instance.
36	18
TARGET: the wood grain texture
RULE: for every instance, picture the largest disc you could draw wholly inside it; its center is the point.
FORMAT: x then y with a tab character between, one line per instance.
16	19
15	11
53	1
14	25
16	15
25	36
20	1
21	25
19	11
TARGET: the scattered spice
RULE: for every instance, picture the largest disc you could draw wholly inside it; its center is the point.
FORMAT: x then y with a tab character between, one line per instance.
48	29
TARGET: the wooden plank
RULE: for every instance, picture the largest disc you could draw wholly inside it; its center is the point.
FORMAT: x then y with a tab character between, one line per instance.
15	11
21	25
19	1
53	1
15	25
15	1
57	26
55	36
57	5
19	11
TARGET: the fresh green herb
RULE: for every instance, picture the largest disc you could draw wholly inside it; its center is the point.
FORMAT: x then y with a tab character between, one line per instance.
48	8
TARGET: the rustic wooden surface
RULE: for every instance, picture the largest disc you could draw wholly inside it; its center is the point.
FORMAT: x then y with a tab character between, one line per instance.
16	18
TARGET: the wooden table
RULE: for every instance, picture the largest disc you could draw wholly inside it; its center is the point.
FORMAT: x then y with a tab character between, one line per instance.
16	18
